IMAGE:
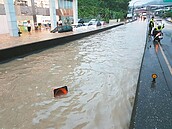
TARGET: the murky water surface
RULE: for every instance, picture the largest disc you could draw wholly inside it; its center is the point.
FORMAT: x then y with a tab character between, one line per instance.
101	72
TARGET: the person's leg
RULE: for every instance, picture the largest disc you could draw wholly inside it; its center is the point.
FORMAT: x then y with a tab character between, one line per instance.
150	30
29	29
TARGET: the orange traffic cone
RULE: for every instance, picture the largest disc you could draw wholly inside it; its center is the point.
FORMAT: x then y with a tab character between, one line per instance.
60	91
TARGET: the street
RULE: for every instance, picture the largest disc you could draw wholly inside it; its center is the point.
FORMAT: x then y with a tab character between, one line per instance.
101	72
165	54
153	103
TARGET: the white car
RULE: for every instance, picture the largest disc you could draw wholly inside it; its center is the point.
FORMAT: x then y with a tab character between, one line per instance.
92	22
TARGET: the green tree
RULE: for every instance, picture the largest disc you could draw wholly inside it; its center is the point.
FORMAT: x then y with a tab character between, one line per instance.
168	14
105	9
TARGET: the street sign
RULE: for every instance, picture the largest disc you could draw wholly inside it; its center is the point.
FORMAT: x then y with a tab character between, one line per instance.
167	0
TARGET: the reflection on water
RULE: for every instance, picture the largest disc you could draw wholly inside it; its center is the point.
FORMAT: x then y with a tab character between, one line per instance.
101	72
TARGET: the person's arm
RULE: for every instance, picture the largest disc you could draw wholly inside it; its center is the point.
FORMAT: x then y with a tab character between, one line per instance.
163	26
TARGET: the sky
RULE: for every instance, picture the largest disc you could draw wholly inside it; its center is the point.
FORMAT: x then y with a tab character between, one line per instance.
139	2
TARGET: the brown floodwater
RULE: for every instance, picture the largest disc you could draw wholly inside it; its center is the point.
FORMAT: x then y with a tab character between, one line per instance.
101	72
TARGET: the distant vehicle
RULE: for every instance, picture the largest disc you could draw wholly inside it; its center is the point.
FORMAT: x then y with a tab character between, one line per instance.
78	25
80	21
169	19
65	28
158	22
61	29
92	22
98	23
144	15
129	16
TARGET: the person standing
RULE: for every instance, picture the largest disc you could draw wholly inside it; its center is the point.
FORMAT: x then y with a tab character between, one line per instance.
151	25
29	26
60	22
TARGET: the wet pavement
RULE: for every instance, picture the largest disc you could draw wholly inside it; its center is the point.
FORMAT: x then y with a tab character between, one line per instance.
153	104
7	41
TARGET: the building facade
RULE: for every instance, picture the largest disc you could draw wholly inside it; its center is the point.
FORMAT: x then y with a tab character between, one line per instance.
38	12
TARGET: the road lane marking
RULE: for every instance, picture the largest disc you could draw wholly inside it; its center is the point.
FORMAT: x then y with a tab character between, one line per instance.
166	60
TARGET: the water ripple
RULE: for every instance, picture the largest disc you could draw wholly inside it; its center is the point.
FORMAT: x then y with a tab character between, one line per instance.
101	72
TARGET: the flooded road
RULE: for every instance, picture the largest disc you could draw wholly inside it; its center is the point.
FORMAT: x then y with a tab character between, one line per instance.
101	72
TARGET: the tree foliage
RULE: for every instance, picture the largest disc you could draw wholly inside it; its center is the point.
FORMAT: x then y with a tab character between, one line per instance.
168	14
102	9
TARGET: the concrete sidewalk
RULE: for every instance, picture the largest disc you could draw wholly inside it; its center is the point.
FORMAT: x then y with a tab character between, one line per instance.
6	41
12	47
153	101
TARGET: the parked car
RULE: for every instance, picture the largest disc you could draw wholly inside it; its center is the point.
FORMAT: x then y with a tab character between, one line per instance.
61	29
81	21
92	22
98	23
77	25
65	28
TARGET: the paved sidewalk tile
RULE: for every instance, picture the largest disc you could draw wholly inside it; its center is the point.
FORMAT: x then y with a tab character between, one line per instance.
7	41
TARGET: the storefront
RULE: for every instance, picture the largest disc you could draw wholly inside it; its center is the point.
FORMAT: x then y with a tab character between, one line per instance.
24	12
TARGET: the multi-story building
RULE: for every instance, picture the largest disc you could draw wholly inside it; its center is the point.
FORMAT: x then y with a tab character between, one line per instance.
38	12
